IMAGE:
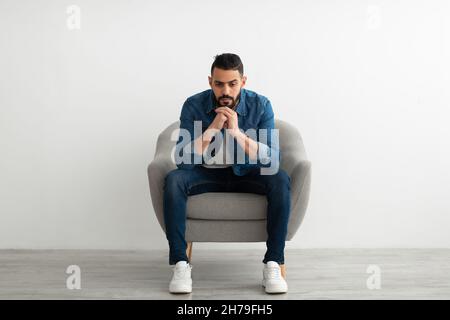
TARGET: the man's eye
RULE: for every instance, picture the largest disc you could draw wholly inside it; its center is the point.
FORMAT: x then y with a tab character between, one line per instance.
219	84
233	84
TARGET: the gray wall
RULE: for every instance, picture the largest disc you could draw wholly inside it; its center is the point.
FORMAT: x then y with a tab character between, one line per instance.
366	83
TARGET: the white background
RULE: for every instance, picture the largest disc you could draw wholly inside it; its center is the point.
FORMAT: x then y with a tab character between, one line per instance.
366	83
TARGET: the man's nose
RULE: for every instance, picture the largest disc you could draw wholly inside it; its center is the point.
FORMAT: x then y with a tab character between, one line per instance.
226	91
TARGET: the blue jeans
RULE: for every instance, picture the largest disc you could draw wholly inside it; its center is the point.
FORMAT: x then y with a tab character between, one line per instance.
181	183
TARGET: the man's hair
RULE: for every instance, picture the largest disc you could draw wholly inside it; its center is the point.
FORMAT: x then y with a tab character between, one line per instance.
228	61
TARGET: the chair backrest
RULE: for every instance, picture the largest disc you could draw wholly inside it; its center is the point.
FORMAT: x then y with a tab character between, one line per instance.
290	141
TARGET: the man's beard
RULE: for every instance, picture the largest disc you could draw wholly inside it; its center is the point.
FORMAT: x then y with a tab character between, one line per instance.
231	103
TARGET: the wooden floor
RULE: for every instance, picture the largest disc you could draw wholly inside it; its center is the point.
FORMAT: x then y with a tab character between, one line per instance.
227	274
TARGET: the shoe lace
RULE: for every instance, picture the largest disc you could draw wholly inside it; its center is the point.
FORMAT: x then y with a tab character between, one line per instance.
273	273
180	272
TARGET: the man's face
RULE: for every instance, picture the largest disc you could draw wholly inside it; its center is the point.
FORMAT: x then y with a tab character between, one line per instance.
226	85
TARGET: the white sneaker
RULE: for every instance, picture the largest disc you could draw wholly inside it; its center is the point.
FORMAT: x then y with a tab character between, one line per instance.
181	281
272	279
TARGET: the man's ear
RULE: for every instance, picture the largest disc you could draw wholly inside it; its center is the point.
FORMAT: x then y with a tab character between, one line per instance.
244	80
210	81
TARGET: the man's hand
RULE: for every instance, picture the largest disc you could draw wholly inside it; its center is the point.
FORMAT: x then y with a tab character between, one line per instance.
250	146
203	141
227	118
218	122
232	119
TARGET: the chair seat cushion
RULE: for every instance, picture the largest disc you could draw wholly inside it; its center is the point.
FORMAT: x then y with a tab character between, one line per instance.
227	206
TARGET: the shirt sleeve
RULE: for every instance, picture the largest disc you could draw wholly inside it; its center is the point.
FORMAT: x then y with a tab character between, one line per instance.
185	155
268	146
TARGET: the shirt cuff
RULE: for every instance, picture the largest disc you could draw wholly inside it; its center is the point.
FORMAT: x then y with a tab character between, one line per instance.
263	153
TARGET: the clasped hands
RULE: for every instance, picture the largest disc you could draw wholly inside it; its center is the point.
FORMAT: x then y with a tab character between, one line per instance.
225	118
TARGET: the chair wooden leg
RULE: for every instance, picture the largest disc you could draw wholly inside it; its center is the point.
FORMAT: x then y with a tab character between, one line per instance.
189	251
283	270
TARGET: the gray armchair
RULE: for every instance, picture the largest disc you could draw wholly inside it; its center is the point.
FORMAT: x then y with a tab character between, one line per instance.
245	220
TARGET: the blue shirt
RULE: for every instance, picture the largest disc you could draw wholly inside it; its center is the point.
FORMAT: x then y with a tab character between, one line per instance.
254	112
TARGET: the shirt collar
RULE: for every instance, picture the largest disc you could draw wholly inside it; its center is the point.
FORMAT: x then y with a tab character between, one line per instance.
241	108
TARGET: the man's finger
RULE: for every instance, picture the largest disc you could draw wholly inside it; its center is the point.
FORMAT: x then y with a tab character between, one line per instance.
224	113
225	109
228	113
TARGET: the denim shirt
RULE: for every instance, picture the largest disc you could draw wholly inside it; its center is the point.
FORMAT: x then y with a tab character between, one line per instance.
254	112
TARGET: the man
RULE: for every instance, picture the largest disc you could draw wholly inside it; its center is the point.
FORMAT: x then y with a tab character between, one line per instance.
227	108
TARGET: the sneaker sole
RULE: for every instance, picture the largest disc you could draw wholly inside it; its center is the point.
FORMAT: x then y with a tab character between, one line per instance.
275	289
181	290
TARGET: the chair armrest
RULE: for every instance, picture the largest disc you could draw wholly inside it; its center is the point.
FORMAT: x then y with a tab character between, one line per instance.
299	170
157	172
